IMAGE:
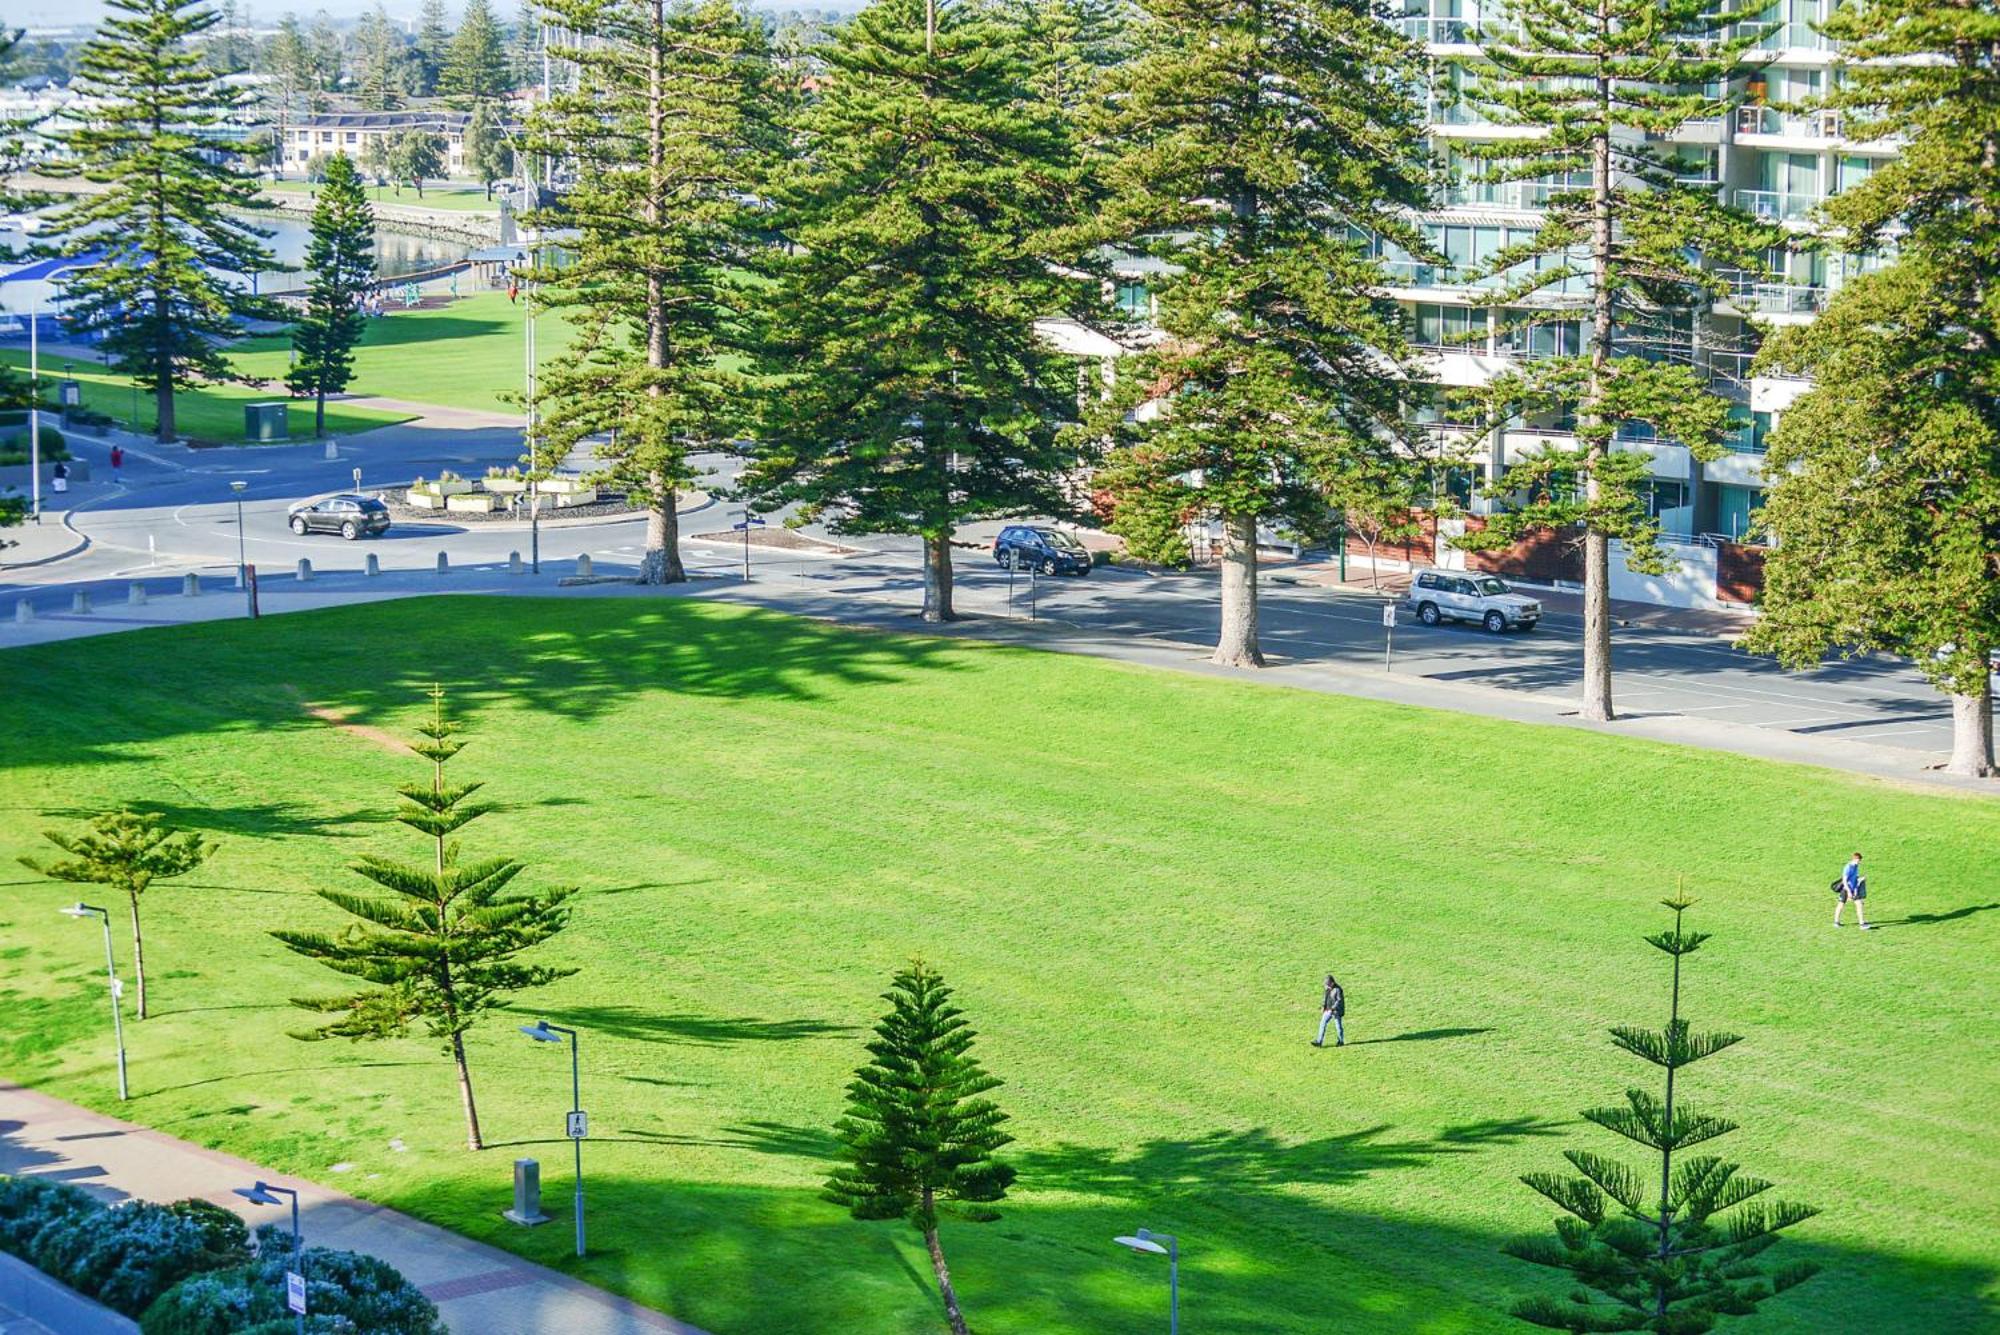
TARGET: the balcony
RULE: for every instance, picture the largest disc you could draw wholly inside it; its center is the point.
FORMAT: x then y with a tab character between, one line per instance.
1793	124
1755	297
1433	30
1779	205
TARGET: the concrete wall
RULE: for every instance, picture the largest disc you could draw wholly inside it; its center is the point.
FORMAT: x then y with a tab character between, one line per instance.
1690	584
34	1295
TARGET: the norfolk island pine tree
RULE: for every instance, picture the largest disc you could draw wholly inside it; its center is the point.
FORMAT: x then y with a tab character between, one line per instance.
1595	81
157	297
126	851
919	1132
1673	1259
1280	362
1924	340
439	948
340	257
668	131
907	389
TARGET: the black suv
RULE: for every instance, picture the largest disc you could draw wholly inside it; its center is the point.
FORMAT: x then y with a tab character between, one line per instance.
1048	550
348	515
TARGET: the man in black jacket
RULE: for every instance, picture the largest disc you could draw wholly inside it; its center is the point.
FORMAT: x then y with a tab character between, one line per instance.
1332	1009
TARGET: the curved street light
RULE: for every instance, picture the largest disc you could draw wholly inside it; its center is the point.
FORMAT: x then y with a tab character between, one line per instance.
1145	1240
268	1193
544	1032
83	910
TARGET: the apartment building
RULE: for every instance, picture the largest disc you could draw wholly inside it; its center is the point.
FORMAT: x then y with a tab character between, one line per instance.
1777	163
355	133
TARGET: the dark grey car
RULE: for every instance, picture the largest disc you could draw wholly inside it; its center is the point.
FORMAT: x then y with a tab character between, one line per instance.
348	515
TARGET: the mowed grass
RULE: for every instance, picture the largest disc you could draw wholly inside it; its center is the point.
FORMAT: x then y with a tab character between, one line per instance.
443	198
210	414
1135	879
468	353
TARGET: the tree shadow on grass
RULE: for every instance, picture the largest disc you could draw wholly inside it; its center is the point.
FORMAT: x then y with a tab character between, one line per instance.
257	820
567	658
1251	1264
1259	1159
802	1142
701	1030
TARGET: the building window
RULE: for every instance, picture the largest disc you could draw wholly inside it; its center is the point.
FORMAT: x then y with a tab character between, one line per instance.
352	137
1546	338
1133	300
1736	510
1452	328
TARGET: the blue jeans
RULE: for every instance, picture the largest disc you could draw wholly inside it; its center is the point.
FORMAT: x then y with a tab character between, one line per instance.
1339	1029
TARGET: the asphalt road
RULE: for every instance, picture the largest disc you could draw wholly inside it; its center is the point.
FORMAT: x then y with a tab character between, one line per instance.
173	511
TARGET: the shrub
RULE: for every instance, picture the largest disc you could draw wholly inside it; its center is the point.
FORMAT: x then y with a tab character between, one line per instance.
15	451
346	1294
126	1256
28	1205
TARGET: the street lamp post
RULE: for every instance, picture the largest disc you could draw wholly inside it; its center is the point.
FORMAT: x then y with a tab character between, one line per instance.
242	561
534	460
82	910
266	1193
578	1125
1145	1240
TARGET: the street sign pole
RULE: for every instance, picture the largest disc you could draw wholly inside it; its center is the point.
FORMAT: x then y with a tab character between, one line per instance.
743	526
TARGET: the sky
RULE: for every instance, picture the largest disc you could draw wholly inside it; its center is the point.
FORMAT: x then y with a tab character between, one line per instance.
64	13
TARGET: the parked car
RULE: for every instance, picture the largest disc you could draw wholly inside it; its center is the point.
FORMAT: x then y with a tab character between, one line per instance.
1036	547
1450	595
348	515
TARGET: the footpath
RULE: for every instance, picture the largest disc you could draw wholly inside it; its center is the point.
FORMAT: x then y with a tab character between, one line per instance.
479	1290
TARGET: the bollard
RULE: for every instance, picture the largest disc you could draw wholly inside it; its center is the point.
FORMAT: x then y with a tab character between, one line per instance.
527	1194
305	569
24	611
444	564
514	566
136	594
374	565
79	602
190	585
583	565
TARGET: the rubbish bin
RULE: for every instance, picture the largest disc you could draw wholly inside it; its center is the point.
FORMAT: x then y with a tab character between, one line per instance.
266	421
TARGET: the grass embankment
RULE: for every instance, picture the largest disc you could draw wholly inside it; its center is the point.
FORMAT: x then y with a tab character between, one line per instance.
441	198
1134	878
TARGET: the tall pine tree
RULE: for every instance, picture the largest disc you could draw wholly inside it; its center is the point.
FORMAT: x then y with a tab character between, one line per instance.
909	392
666	132
164	216
1886	492
340	257
379	56
1601	86
475	67
524	49
432	48
437	941
1672	1251
1916	566
919	1133
1280	365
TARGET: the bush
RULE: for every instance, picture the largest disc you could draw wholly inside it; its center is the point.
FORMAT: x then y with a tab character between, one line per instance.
126	1256
28	1205
346	1294
14	448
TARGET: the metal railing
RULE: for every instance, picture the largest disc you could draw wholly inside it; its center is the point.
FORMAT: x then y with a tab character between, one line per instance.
1779	205
1820	124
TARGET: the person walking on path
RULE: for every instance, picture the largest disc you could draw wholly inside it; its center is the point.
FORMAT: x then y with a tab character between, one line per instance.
59	480
1851	888
1332	1010
117	462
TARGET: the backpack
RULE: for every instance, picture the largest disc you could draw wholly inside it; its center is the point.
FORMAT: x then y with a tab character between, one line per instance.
1839	886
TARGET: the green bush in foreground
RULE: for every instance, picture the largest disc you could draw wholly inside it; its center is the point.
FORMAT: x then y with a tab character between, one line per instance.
346	1294
124	1256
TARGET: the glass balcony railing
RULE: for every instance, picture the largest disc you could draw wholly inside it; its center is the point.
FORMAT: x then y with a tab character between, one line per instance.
1801	124
1779	205
1436	30
1748	293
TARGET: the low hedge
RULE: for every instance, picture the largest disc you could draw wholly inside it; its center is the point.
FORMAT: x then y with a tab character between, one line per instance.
124	1256
14	448
346	1294
190	1268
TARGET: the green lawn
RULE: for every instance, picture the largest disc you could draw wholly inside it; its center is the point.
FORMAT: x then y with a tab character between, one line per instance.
448	198
210	415
463	354
1134	878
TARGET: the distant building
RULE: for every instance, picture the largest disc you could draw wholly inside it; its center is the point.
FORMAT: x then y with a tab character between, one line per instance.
325	133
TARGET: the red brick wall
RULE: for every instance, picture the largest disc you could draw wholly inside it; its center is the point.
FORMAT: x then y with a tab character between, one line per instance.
1739	572
1540	558
1421	550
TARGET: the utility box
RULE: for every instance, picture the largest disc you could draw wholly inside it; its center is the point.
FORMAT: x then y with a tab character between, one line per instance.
69	394
266	422
527	1194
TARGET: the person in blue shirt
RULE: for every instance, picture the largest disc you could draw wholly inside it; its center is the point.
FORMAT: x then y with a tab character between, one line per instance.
1851	888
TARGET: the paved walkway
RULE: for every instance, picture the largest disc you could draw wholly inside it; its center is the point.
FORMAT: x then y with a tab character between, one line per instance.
480	1290
13	1323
